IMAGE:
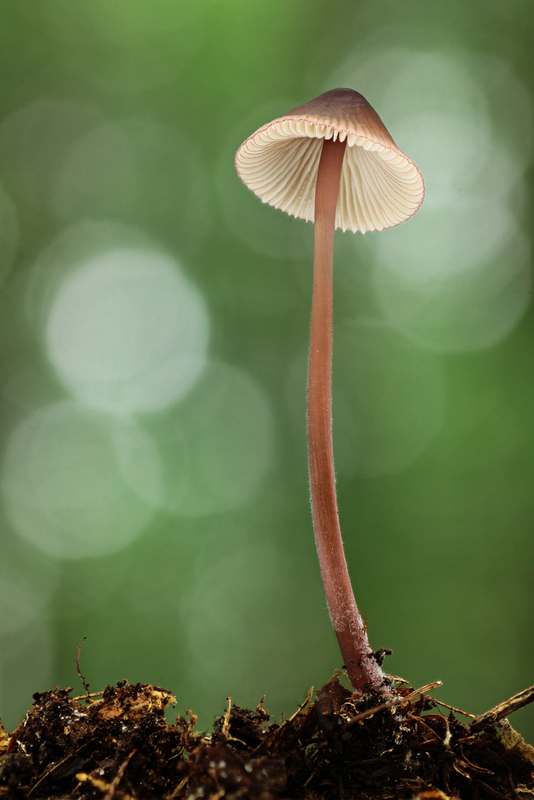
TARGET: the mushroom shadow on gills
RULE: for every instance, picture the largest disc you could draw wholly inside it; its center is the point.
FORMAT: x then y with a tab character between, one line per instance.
333	162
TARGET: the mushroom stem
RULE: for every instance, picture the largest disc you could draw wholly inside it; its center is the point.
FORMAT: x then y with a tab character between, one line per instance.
361	667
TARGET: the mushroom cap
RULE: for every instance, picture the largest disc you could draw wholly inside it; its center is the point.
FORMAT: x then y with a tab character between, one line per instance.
380	186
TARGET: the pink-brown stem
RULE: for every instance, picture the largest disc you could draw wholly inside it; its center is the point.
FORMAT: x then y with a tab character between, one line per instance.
361	667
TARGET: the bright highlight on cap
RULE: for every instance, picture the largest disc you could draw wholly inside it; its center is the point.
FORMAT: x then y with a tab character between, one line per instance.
380	186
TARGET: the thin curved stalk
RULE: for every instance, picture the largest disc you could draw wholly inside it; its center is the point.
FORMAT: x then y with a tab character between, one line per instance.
361	667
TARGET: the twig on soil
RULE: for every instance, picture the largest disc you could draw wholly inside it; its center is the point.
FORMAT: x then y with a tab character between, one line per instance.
307	700
85	696
50	771
225	730
502	710
179	788
84	682
397	701
109	788
15	735
453	708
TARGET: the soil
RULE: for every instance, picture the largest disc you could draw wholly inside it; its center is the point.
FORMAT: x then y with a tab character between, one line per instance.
118	744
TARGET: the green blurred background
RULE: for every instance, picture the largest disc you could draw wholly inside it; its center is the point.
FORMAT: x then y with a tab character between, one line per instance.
154	491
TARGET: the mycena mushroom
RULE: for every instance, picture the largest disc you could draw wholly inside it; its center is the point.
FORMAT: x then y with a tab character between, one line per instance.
332	161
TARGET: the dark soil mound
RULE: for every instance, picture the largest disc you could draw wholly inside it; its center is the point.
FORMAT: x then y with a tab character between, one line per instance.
338	747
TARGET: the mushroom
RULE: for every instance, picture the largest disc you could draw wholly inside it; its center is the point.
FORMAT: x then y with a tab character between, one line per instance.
332	161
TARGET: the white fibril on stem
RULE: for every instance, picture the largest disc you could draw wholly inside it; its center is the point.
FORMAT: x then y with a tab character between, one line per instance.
332	161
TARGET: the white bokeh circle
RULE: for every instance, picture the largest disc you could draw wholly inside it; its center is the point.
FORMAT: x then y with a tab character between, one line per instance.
127	331
64	483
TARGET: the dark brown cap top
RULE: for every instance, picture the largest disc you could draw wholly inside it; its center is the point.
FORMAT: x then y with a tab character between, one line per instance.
380	186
